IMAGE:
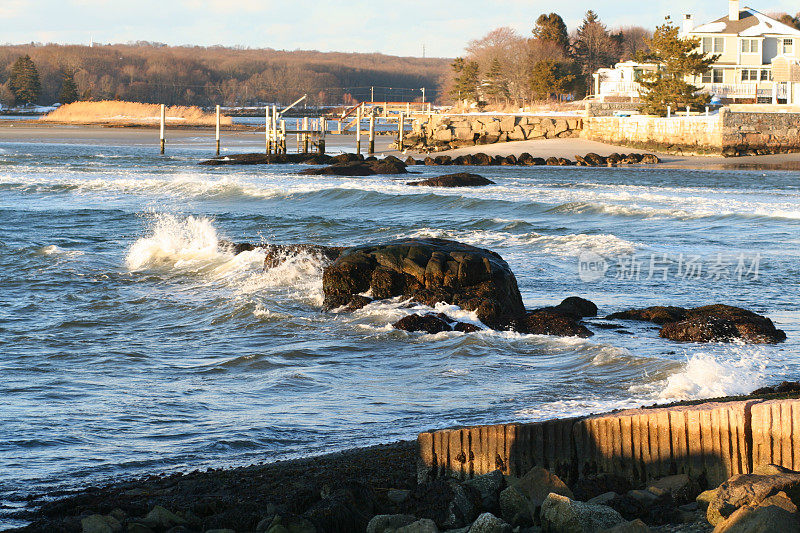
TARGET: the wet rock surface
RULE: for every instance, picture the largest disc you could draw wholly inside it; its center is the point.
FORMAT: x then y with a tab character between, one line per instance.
428	271
710	323
389	165
460	179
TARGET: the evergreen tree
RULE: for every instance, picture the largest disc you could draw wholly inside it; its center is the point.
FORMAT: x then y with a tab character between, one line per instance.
676	59
496	83
551	78
594	48
69	91
24	81
552	28
465	83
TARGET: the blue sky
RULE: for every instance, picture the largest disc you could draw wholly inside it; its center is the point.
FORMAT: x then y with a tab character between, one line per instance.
358	25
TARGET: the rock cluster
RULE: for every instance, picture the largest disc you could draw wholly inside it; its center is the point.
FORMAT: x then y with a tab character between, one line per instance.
527	160
443	132
709	323
431	271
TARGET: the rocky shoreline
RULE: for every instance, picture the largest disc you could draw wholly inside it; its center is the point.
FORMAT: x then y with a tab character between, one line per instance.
377	490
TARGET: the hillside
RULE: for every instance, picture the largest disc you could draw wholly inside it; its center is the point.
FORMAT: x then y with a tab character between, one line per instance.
155	73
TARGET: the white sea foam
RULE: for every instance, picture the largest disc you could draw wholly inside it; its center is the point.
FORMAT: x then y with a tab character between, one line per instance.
52	249
191	245
570	245
187	244
738	370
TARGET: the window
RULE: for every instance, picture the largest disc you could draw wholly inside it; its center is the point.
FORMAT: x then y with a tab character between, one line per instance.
766	75
713	76
749	46
788	46
713	45
750	74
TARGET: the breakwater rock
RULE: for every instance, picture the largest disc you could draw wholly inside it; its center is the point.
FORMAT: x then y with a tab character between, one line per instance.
443	132
527	160
366	167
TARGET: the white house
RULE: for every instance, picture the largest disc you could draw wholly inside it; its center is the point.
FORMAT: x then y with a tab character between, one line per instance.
759	59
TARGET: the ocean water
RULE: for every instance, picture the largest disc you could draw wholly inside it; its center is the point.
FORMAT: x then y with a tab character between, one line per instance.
131	342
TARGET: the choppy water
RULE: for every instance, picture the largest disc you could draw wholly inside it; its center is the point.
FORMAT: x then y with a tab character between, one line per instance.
130	342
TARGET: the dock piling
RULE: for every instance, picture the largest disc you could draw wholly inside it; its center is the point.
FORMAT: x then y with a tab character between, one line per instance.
358	130
400	131
163	122
217	132
305	135
371	133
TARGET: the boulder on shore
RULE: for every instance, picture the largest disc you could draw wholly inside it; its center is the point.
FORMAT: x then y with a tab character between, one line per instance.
709	323
460	179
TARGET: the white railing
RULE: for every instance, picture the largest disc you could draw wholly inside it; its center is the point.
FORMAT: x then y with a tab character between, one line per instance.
619	88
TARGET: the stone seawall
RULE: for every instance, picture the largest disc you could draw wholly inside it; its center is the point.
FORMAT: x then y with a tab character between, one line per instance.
432	133
695	135
730	133
759	133
710	442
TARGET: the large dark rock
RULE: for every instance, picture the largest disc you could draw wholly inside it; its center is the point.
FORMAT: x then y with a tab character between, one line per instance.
710	323
713	323
389	165
429	271
460	179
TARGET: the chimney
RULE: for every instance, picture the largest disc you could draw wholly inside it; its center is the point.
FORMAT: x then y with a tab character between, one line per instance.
688	23
733	10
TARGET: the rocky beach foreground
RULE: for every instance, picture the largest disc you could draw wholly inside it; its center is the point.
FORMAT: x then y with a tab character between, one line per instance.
380	489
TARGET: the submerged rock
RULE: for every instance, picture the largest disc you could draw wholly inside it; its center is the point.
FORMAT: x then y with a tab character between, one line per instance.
429	271
710	323
460	179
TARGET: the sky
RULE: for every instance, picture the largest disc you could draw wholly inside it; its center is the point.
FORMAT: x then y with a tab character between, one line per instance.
397	28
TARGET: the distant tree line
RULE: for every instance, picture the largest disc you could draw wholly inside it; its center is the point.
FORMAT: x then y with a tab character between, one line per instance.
156	73
505	67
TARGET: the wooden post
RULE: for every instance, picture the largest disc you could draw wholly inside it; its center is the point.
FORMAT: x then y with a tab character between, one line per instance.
283	136
400	131
163	121
358	130
267	124
297	133
371	133
217	137
321	144
305	135
687	110
275	128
